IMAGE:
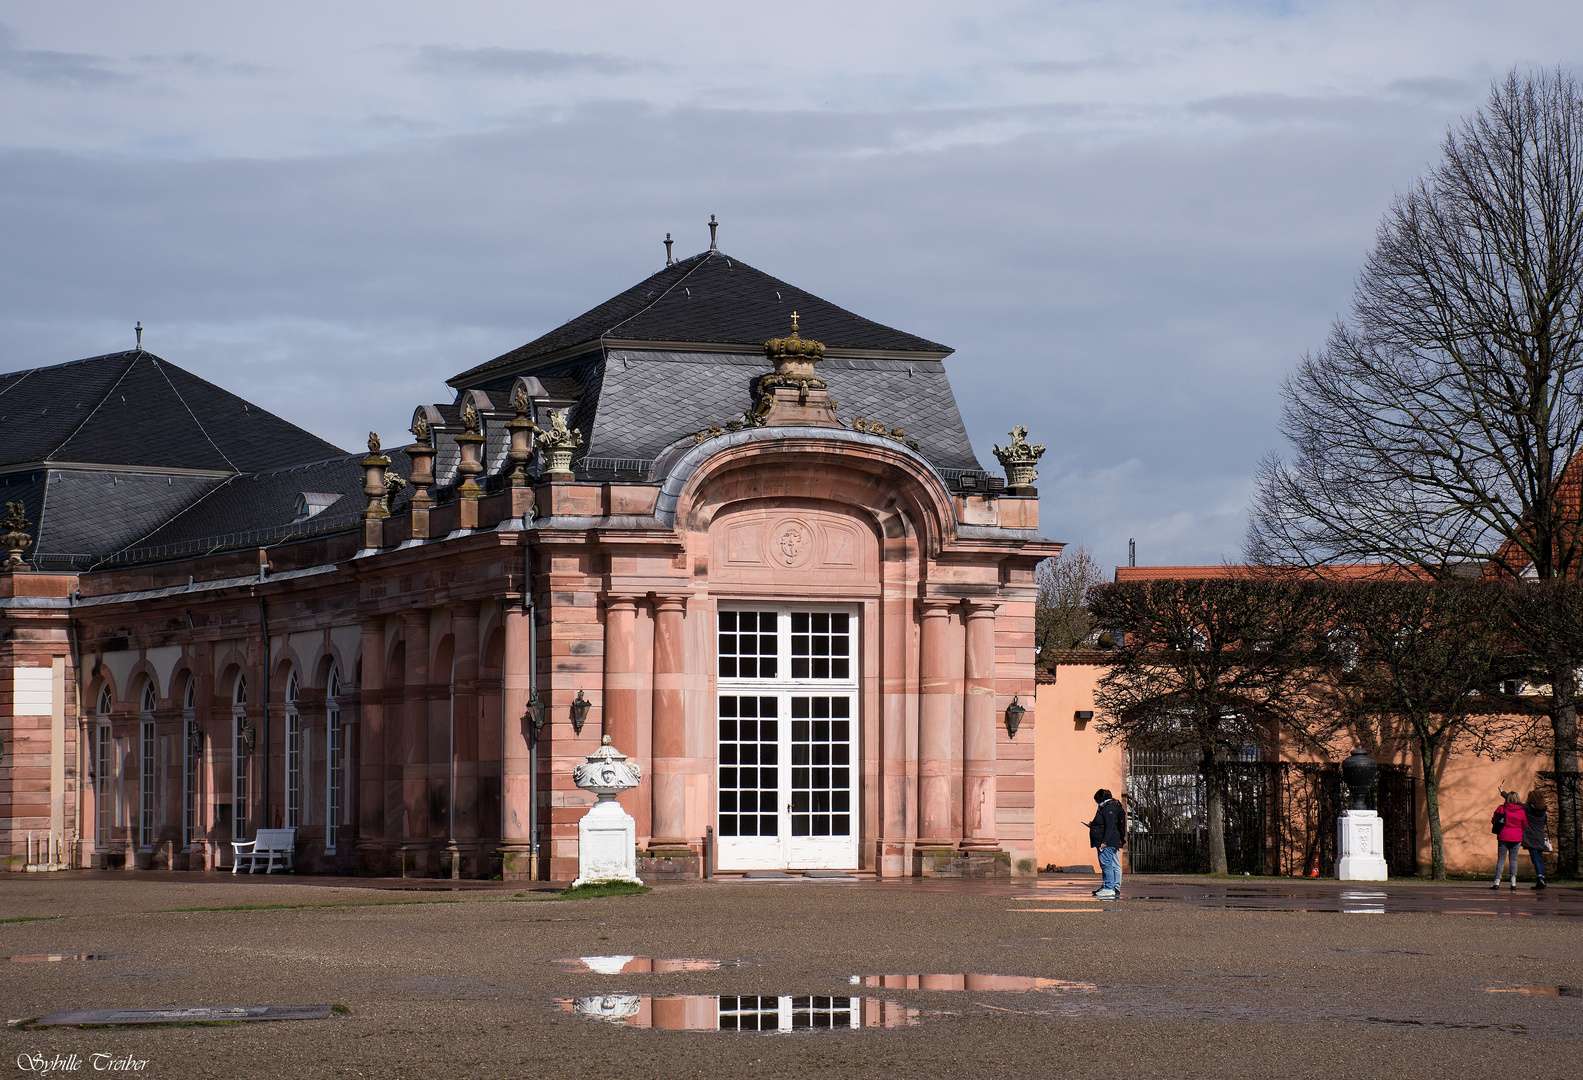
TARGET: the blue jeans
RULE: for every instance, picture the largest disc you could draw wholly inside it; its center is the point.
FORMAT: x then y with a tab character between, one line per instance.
1110	866
1538	856
1507	856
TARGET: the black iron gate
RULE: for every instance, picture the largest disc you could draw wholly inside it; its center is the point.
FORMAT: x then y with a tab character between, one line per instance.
1279	816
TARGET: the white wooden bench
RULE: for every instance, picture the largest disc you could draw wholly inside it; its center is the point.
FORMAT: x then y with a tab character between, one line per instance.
269	846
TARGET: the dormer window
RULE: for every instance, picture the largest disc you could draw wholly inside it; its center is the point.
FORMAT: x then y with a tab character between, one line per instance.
310	503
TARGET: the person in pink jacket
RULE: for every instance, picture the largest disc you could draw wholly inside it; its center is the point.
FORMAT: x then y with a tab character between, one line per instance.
1507	825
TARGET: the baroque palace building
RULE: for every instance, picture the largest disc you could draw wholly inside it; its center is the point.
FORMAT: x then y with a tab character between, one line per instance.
731	525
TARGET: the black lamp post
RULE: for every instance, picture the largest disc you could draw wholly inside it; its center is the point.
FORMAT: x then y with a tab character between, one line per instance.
1359	771
1014	713
580	709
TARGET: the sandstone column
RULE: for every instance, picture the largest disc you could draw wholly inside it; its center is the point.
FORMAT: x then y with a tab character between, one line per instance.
668	782
464	717
939	725
371	724
978	730
415	735
622	684
516	780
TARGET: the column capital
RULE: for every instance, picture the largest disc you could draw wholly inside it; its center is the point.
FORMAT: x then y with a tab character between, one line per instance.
669	601
935	606
614	600
981	609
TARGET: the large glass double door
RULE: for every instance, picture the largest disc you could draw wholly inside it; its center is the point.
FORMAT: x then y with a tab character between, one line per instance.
787	725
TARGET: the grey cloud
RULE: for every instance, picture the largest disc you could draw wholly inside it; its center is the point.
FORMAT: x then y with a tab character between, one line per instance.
1138	300
1107	62
496	62
45	67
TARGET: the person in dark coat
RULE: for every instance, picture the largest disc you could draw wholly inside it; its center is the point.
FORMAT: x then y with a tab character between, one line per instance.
1107	833
1508	823
1534	834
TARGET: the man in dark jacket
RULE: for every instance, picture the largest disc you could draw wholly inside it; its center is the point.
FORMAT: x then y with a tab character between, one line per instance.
1107	833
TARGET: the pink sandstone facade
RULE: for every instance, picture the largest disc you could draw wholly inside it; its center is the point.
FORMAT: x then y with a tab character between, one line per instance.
806	626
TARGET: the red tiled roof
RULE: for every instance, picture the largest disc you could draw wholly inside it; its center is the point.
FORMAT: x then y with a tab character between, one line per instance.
1348	572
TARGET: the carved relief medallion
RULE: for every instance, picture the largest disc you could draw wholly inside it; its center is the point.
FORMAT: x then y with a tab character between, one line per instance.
791	543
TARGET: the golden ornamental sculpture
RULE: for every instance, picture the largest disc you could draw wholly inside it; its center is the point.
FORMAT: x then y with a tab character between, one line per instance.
792	393
559	442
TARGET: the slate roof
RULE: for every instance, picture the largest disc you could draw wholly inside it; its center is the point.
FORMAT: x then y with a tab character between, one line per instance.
709	298
134	409
81	515
259	508
643	400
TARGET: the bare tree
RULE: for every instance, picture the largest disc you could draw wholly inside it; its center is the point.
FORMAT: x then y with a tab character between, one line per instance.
1437	425
1421	662
1061	619
1206	667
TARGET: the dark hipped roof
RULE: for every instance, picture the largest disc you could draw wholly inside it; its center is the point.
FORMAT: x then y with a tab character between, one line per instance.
710	298
133	409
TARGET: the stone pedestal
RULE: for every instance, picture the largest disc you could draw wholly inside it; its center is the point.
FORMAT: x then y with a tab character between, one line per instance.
607	845
607	837
1360	843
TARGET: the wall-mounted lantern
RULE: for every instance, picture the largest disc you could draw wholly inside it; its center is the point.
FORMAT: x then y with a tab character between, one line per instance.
194	737
535	712
580	709
248	735
1014	713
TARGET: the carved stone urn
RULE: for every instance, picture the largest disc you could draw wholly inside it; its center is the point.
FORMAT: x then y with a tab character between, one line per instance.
1360	833
607	837
558	443
15	538
1019	458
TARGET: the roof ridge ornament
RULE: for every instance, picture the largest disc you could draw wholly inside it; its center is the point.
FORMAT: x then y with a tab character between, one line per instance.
713	225
669	259
792	393
15	538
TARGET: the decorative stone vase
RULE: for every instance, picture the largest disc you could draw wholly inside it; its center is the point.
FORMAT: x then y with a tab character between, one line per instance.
1020	459
607	837
558	459
1359	771
1021	474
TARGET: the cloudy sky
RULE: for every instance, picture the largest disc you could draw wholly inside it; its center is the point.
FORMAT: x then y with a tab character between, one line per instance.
1129	218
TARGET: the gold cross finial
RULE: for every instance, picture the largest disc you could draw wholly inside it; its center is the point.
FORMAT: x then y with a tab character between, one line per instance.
794	322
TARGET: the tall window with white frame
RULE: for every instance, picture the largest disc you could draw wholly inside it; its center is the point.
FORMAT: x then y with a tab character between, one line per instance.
241	733
103	750
192	764
293	756
332	760
147	792
787	715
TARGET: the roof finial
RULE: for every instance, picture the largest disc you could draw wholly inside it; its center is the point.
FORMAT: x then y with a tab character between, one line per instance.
713	225
794	324
140	335
668	260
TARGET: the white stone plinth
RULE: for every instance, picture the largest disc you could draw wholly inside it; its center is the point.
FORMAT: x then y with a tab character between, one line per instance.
607	845
1360	844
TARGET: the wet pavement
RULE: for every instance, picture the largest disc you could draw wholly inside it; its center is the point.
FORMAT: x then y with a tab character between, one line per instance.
1184	977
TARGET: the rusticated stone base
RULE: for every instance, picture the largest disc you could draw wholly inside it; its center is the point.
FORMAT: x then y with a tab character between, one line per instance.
945	862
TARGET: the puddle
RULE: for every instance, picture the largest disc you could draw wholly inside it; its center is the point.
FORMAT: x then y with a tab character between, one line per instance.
972	982
641	965
55	958
727	1012
1538	991
1356	902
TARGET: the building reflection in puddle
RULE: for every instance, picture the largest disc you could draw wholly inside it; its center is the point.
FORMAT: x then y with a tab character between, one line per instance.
642	965
55	958
1355	902
1537	991
741	1012
973	982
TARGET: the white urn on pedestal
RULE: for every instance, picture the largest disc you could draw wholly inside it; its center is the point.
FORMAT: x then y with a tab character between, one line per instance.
1360	832
607	837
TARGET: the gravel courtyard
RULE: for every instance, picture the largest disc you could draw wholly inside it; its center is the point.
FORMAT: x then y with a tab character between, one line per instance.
1184	978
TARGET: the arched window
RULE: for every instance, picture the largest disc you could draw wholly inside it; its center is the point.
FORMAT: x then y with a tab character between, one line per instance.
147	774
103	790
293	756
334	764
241	751
192	768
